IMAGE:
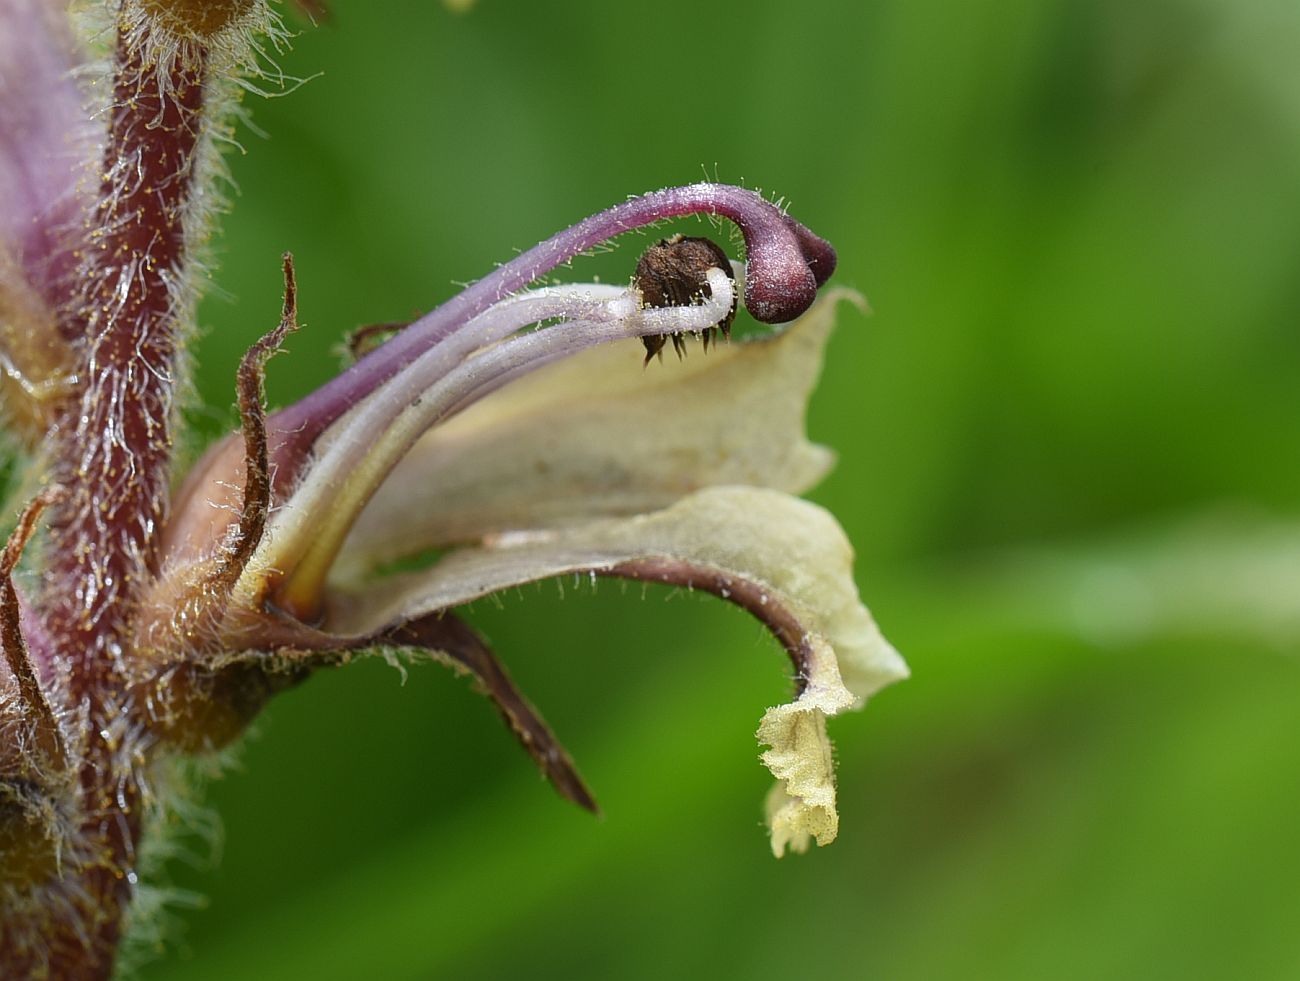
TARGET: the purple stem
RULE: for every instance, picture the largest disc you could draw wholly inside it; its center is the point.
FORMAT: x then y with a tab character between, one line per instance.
786	265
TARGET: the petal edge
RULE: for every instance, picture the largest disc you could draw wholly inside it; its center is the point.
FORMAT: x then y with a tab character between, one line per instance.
790	554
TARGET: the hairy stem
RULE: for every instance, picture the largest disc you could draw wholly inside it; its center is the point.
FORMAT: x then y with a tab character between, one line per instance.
113	451
115	446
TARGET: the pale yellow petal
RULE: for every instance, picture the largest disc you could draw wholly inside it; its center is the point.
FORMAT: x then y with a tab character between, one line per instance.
801	806
600	435
782	558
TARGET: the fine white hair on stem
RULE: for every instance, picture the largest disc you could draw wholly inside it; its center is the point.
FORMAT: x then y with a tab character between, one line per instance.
367	442
241	46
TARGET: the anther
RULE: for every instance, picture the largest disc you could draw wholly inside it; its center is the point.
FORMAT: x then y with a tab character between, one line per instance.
251	384
672	273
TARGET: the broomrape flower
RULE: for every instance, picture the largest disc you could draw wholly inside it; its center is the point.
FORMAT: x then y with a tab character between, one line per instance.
515	429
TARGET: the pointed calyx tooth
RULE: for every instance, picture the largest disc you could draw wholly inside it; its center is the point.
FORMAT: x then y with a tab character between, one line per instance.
672	273
451	639
251	386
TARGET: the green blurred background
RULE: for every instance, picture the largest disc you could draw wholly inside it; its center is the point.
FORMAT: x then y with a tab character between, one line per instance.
1069	465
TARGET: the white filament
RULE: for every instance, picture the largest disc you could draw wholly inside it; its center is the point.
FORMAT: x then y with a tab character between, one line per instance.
360	450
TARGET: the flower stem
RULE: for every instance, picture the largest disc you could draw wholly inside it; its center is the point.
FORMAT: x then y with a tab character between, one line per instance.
113	451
